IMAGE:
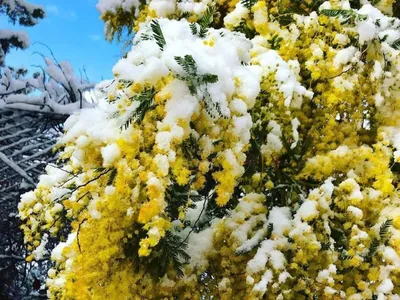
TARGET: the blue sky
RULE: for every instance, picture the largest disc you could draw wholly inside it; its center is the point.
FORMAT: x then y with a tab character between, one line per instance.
74	31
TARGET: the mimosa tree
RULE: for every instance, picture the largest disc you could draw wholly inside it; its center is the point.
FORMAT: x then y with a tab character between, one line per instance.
244	150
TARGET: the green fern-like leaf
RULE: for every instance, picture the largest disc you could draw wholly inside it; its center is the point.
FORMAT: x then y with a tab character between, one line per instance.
188	64
383	236
345	256
193	28
337	12
373	249
245	29
145	37
206	20
396	44
170	251
208	78
325	245
275	42
194	81
177	197
145	100
248	3
270	228
349	16
113	174
184	15
157	34
384	229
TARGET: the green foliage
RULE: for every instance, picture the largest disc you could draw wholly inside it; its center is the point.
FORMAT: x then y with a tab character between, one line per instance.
287	190
383	236
25	14
325	245
177	197
270	228
373	249
396	44
188	64
157	34
355	4
146	103
300	7
375	2
348	15
196	81
396	9
345	13
275	42
200	28
190	148
245	29
340	239
170	251
248	3
113	174
384	229
345	256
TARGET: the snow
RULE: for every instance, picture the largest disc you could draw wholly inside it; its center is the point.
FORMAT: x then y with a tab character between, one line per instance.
341	39
366	31
377	72
193	214
16	168
112	5
191	6
278	260
162	164
271	62
386	286
38	207
163	140
308	210
223	284
325	276
238	106
162	7
274	144
235	17
57	253
41	251
378	99
10	38
242	127
261	286
295	124
54	175
344	56
281	218
22	4
283	277
109	190
391	255
198	245
57	90
21	36
355	211
28	198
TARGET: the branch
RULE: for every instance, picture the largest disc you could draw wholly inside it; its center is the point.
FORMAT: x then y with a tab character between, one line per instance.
16	168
